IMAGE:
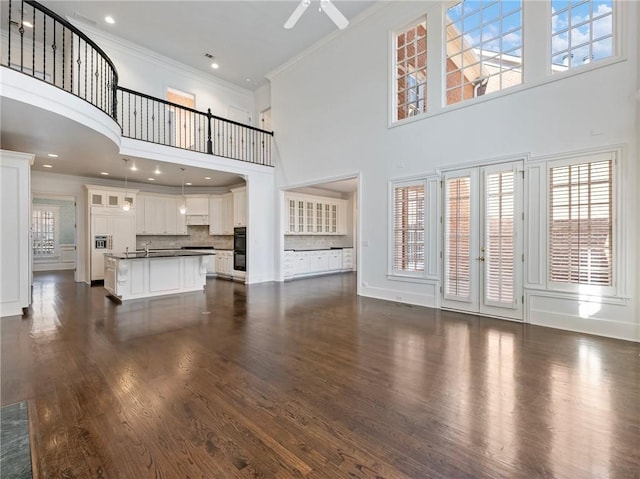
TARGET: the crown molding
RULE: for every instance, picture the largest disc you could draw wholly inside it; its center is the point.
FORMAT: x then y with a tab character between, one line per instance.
144	53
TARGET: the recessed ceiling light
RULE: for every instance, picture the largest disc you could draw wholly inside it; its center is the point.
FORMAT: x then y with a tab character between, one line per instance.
52	155
48	166
151	179
133	168
104	173
27	24
248	80
109	19
207	177
215	65
157	172
188	184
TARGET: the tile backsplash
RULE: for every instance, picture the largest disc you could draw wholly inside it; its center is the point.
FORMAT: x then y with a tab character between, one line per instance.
197	236
315	241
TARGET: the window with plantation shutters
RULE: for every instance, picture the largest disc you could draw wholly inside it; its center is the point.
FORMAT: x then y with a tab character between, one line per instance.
580	223
408	227
457	267
499	245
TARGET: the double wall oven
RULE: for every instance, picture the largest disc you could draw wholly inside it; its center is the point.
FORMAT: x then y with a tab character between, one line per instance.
240	249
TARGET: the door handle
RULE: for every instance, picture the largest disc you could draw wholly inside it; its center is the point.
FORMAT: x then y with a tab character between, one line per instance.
480	258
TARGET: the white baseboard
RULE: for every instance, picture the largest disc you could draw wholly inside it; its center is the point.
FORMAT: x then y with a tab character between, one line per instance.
598	326
399	296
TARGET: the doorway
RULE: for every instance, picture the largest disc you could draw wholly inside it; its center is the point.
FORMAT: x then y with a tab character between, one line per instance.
483	240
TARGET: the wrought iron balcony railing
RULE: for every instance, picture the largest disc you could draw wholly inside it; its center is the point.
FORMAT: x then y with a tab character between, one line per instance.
45	46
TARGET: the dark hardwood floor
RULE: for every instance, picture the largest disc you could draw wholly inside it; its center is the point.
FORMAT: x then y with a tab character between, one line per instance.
305	379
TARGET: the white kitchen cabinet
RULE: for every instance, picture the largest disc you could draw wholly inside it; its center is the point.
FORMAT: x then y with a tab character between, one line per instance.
347	259
318	261
289	264
198	205
315	215
302	263
335	260
118	228
159	215
239	206
224	263
221	214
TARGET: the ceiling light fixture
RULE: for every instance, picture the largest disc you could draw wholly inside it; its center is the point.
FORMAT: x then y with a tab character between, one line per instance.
157	172
104	173
52	155
47	166
207	177
188	183
133	168
215	65
151	179
126	203
109	19
27	24
183	206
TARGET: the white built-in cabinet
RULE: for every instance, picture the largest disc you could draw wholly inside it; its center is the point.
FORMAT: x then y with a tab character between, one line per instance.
15	232
224	263
160	215
308	263
221	214
198	210
112	198
315	215
239	206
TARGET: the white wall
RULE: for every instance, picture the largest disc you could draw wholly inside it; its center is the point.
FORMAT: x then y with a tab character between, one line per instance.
148	72
330	112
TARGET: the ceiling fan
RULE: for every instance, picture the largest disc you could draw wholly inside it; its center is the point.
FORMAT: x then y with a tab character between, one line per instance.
326	6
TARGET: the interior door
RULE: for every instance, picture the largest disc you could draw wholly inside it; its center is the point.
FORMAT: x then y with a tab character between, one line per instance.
483	224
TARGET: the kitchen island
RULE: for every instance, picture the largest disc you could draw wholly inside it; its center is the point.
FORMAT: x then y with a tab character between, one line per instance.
154	273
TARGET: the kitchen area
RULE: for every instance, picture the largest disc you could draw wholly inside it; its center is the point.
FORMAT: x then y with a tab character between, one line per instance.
147	244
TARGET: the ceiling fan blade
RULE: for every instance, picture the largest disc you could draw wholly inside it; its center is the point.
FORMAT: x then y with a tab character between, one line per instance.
334	14
297	13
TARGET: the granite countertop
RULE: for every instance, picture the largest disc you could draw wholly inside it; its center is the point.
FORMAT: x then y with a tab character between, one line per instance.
167	253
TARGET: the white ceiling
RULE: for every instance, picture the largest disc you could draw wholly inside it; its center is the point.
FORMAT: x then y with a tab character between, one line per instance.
246	38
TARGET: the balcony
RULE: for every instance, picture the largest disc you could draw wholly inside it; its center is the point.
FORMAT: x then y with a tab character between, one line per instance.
43	45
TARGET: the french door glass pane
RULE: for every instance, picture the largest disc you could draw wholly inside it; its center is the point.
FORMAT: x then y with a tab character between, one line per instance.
458	237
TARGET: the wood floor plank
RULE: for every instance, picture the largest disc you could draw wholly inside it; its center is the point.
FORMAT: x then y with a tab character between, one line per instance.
307	380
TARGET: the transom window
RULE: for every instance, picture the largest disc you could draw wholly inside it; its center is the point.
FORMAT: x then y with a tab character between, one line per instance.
581	32
408	227
411	71
484	48
580	223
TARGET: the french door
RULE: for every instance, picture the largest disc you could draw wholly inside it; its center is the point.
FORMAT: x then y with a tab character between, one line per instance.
483	236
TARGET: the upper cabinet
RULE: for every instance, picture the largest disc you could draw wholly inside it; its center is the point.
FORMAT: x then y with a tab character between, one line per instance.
197	210
221	214
159	215
110	197
315	215
239	206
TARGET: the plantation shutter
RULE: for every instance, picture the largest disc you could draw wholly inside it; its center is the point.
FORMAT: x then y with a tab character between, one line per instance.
457	262
408	228
499	238
580	223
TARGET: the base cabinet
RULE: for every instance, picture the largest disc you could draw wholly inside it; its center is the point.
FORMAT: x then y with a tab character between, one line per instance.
224	263
310	263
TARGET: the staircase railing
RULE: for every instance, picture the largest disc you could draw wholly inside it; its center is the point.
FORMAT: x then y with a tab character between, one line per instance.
45	46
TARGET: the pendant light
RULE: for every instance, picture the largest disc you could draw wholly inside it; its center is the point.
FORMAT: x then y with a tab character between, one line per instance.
126	203
183	206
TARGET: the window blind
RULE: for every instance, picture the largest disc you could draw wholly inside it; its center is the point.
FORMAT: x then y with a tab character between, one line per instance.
580	223
408	228
457	281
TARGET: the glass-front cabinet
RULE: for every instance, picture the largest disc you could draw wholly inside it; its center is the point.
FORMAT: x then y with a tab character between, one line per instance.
315	215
